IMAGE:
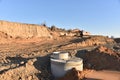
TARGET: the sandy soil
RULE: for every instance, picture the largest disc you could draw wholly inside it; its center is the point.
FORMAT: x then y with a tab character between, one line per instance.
28	59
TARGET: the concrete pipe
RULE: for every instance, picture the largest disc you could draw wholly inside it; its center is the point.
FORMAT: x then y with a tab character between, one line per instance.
61	63
60	55
57	67
74	63
55	55
63	55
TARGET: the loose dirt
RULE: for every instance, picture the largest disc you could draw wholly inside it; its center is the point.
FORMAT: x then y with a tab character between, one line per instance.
28	59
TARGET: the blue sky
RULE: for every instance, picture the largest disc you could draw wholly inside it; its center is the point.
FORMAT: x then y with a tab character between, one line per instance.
96	16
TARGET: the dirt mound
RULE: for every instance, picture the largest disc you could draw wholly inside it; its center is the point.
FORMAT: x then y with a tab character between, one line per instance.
98	40
89	41
103	49
102	58
73	74
19	68
21	72
117	40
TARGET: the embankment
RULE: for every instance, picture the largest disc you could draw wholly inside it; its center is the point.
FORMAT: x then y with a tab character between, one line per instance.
21	30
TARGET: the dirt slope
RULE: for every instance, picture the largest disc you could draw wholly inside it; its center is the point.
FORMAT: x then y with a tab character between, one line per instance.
88	41
102	58
23	30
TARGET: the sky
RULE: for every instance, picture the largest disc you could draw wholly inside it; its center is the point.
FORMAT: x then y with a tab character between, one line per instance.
100	17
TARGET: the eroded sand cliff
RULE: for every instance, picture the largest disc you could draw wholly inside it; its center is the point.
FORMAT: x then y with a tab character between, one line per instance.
23	30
